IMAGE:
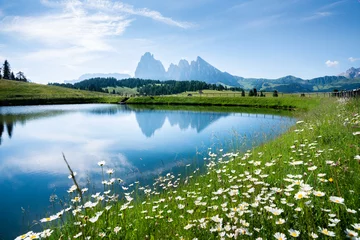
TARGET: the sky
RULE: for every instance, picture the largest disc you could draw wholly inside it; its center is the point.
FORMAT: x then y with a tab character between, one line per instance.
57	40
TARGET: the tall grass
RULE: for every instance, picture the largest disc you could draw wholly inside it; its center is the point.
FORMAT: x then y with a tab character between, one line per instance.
303	185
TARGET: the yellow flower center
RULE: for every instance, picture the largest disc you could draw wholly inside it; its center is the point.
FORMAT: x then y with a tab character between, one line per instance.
293	234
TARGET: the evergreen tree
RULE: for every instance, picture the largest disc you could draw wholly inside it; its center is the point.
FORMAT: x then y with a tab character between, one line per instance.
0	73
251	93
242	93
12	76
21	77
6	70
275	94
255	92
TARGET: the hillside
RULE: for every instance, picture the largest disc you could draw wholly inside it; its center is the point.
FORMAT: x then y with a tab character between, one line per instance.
15	93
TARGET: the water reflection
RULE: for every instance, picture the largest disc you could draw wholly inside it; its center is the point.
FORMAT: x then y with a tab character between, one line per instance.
139	143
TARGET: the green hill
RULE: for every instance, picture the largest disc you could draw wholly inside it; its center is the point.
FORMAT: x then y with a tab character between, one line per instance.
19	93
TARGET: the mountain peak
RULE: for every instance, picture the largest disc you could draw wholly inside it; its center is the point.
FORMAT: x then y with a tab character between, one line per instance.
150	68
351	73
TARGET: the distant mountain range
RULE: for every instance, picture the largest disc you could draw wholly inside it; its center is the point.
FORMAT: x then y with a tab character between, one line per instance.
151	68
98	75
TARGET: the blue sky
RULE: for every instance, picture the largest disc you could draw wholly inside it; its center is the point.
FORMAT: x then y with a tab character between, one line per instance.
57	40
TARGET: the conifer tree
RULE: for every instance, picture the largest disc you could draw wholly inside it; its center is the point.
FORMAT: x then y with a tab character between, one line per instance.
6	70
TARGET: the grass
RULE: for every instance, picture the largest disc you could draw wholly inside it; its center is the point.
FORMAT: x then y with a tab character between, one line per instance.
123	90
285	102
303	184
21	93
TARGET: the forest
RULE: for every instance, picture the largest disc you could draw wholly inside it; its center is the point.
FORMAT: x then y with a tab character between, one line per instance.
145	86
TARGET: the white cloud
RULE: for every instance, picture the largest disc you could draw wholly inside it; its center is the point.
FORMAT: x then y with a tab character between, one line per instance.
87	24
318	15
333	5
330	63
74	32
351	59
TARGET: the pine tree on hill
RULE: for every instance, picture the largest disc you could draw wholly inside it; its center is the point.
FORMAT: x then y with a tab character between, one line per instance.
12	76
6	70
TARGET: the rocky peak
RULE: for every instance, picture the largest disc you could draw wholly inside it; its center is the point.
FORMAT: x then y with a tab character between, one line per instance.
150	68
351	73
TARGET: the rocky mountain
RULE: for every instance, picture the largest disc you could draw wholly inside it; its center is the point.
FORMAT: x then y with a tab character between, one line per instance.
86	76
150	68
351	73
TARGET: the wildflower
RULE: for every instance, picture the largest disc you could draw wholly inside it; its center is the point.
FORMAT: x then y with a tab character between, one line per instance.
49	219
110	171
351	234
326	232
350	210
276	211
357	157
312	168
216	219
300	195
356	133
331	180
336	199
356	226
187	227
181	206
280	236
314	235
319	194
46	233
102	234
78	235
24	236
101	163
294	233
280	221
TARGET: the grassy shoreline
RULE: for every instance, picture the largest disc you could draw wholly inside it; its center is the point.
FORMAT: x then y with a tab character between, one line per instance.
14	93
288	103
302	184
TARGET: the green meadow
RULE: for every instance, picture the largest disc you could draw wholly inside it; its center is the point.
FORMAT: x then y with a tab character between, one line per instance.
304	185
23	93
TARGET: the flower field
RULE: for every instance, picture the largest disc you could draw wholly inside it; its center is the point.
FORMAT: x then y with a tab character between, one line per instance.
304	184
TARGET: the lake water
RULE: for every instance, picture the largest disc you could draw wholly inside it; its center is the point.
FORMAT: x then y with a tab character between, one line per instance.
139	143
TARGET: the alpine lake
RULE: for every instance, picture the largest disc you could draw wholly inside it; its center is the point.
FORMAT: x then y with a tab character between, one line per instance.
140	143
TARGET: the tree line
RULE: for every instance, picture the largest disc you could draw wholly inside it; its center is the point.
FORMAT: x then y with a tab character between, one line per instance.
6	73
145	86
